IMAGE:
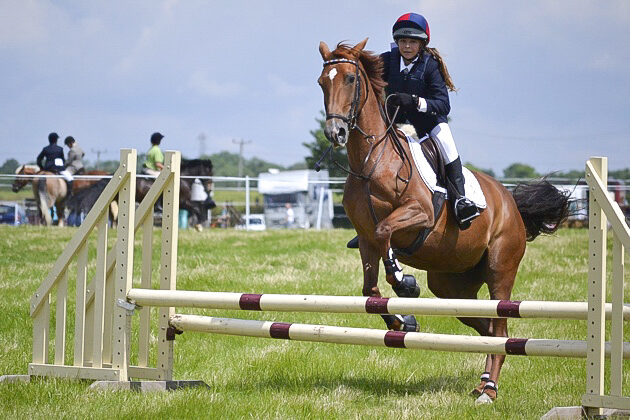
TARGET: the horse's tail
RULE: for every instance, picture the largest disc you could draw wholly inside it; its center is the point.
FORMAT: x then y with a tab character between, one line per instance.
542	206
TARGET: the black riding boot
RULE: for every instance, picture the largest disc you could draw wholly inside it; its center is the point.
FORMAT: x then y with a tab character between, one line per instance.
353	243
465	210
69	193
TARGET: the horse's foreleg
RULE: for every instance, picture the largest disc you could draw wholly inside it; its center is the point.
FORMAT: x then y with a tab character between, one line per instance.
411	215
60	213
44	209
369	259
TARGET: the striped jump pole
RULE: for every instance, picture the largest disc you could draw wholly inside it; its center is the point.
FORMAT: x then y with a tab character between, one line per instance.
384	338
361	304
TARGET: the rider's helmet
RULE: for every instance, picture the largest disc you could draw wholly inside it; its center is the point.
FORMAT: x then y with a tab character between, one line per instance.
52	137
156	138
411	25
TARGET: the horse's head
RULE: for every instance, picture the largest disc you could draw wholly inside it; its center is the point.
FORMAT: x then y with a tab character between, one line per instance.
202	168
341	83
19	182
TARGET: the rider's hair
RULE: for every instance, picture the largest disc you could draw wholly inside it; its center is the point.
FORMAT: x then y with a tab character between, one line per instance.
447	77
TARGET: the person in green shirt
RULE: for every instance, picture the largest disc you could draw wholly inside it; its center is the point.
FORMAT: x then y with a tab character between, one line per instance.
155	158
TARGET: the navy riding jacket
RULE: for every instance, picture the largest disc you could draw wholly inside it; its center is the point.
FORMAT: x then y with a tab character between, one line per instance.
52	153
425	81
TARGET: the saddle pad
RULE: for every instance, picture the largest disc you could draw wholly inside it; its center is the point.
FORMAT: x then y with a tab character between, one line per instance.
471	184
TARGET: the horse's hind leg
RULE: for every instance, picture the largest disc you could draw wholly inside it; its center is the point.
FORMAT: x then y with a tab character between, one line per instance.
466	286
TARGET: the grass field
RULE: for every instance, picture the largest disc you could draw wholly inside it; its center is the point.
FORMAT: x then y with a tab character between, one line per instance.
265	378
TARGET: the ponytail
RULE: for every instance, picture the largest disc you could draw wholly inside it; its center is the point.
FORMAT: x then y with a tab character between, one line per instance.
447	77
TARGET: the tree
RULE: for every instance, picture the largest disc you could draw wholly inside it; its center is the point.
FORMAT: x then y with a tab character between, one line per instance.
620	174
9	166
520	170
475	168
319	145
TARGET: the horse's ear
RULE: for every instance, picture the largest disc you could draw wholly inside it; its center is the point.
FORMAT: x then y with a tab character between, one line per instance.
324	50
359	47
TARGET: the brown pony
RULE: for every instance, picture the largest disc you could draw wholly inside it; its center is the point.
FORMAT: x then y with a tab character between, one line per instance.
53	191
388	204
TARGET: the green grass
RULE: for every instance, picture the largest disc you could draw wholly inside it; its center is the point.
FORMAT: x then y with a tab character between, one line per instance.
265	378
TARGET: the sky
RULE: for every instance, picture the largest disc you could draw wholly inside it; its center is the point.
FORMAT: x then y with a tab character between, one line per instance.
541	82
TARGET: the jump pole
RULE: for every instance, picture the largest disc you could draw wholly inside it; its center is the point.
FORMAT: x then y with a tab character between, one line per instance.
384	338
361	304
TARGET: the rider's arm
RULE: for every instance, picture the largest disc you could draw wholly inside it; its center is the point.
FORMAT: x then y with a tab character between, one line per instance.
40	158
436	99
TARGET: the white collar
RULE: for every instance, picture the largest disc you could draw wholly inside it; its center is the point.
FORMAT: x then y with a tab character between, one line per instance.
403	66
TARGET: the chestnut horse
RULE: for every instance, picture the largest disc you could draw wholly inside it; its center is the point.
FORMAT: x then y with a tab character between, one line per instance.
388	204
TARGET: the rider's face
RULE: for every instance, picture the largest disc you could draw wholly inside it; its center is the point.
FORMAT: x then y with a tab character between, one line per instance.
409	48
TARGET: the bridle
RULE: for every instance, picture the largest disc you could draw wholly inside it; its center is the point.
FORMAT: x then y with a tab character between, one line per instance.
351	118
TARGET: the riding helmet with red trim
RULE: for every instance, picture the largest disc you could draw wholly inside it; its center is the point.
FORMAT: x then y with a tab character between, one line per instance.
411	25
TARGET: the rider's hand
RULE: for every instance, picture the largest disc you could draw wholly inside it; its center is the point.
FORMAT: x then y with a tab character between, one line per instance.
404	100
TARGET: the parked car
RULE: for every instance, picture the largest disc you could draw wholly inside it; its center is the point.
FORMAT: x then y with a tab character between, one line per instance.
256	222
12	214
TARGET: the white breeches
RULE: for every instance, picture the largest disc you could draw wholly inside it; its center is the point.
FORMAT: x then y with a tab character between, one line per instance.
442	133
66	175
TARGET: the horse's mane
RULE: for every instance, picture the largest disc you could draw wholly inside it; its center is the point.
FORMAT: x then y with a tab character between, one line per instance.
372	64
34	168
194	163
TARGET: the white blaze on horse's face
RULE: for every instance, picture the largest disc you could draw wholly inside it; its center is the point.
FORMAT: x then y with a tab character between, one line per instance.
332	74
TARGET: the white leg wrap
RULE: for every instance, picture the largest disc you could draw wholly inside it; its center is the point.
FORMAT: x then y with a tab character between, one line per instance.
442	132
398	273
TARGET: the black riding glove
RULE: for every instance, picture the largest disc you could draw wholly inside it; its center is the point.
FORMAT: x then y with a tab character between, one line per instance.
404	100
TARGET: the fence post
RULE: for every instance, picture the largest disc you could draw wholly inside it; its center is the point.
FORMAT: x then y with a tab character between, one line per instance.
596	290
124	265
247	202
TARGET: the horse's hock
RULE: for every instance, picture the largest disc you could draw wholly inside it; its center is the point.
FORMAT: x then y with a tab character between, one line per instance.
105	306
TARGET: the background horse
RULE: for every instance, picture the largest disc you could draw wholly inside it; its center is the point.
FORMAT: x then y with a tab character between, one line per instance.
47	192
189	167
388	204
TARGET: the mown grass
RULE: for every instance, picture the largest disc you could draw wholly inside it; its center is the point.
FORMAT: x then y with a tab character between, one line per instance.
264	378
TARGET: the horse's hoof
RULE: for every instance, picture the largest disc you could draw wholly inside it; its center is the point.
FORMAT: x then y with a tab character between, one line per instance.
407	287
484	399
409	323
475	392
198	228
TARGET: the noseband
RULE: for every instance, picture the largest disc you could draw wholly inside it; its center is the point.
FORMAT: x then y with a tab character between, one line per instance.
351	118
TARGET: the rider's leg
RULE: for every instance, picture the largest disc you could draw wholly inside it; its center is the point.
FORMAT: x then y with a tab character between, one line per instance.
465	210
67	175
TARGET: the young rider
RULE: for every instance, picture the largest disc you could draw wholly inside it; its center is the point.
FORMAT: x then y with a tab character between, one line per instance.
51	157
418	79
74	163
155	158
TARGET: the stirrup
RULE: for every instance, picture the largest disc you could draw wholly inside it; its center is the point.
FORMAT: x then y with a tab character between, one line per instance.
465	212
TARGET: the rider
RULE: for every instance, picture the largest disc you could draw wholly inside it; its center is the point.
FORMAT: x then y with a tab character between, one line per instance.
155	158
418	80
74	163
51	157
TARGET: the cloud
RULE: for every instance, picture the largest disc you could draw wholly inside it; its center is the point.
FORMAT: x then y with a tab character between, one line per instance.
200	83
281	87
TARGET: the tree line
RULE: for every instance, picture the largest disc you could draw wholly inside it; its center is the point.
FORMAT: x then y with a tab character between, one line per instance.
227	163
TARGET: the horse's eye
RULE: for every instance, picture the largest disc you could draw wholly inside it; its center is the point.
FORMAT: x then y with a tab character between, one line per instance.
349	78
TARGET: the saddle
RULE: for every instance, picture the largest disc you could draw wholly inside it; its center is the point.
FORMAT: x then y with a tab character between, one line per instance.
432	153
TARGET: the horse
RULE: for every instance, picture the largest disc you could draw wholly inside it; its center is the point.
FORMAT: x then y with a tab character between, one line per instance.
189	167
51	193
389	204
48	192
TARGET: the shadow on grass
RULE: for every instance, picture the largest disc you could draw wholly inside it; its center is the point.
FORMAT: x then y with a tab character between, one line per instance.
379	387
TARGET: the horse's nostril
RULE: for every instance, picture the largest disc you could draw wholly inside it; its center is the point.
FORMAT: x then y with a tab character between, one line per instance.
342	133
